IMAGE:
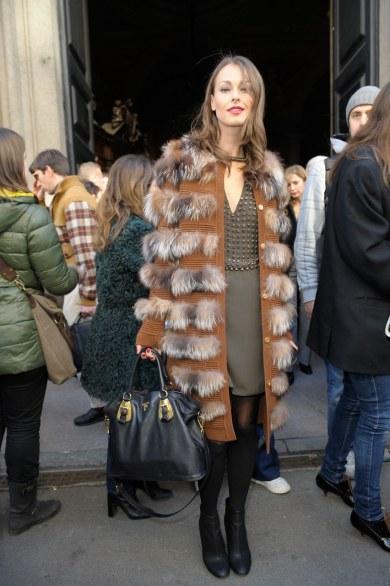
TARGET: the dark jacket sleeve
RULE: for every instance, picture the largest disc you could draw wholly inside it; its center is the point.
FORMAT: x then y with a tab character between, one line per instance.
45	254
364	223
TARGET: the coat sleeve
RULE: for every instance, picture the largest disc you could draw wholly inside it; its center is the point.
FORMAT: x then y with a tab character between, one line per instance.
307	248
80	221
131	257
46	256
363	225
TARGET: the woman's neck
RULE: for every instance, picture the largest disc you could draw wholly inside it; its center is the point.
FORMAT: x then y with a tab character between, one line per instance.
230	140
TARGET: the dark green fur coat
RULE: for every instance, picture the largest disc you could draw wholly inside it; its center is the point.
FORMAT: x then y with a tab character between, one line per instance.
110	353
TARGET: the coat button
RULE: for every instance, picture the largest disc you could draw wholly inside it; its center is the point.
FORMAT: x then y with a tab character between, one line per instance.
269	383
262	246
265	295
261	207
267	340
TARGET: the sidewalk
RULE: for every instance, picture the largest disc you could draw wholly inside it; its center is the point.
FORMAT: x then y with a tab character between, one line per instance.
299	539
71	455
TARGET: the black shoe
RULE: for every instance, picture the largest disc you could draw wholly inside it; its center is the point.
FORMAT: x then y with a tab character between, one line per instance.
237	542
341	489
377	530
25	510
153	490
94	415
213	546
291	378
306	368
121	498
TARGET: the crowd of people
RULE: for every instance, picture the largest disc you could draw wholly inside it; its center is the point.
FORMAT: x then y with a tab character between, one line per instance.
233	268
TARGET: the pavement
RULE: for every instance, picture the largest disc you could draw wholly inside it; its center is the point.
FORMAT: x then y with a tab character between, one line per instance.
73	455
302	538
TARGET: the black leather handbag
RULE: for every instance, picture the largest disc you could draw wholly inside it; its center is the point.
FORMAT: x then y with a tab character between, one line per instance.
157	434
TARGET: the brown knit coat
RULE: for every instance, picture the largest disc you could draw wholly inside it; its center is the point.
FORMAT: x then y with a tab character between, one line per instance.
185	313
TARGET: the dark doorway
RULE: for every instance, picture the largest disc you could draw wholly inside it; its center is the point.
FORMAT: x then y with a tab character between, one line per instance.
159	53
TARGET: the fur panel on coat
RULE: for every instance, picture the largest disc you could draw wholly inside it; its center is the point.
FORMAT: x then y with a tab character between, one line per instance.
184	269
110	353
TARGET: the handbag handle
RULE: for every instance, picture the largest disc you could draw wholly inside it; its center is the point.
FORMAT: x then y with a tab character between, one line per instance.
165	383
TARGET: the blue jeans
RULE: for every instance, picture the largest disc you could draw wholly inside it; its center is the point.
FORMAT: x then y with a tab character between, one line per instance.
266	465
335	386
363	418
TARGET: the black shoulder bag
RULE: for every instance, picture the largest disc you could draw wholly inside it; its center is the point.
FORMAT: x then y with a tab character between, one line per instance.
157	435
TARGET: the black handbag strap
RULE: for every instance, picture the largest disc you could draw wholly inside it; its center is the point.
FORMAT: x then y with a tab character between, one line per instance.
140	508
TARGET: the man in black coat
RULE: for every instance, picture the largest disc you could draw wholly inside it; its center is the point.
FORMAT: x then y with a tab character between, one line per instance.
350	316
353	298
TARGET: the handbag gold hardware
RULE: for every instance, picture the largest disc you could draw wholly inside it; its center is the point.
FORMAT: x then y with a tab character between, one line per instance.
125	411
165	410
200	423
19	283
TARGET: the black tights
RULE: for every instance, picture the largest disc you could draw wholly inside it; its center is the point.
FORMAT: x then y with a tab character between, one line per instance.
237	456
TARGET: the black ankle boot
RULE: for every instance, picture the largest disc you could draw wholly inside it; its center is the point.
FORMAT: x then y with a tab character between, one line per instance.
341	489
237	542
377	530
213	546
153	490
25	510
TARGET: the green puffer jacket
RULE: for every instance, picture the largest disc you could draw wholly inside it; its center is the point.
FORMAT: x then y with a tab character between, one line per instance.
29	244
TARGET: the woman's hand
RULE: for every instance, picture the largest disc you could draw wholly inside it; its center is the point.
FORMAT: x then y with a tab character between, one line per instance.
146	354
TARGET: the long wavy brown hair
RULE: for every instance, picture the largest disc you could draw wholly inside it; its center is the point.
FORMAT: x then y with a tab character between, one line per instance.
205	128
12	173
375	134
128	182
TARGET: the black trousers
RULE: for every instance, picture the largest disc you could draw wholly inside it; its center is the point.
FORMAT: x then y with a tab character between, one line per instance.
21	400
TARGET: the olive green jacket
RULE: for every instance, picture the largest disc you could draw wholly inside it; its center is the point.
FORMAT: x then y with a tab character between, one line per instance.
29	244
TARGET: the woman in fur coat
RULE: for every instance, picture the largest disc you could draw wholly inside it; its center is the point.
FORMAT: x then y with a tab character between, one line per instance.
110	355
219	297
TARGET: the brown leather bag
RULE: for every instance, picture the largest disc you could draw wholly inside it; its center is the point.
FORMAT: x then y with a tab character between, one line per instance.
53	330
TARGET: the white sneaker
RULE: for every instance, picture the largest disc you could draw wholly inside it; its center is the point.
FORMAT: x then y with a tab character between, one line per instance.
276	486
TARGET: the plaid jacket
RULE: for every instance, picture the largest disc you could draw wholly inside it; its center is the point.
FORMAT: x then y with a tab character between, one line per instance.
74	215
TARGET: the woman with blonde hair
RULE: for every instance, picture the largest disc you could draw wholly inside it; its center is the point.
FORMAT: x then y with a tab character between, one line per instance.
110	354
219	297
295	179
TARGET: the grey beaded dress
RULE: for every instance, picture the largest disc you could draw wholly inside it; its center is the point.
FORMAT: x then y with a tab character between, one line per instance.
243	311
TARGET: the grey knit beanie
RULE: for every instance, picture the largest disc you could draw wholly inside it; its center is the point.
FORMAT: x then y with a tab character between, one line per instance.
363	96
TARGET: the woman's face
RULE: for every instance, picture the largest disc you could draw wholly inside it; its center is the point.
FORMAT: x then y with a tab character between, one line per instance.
295	185
232	100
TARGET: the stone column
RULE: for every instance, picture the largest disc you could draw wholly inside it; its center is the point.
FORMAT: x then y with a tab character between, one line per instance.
31	90
384	42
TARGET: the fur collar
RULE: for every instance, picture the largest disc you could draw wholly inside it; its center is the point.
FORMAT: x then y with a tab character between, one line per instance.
182	160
